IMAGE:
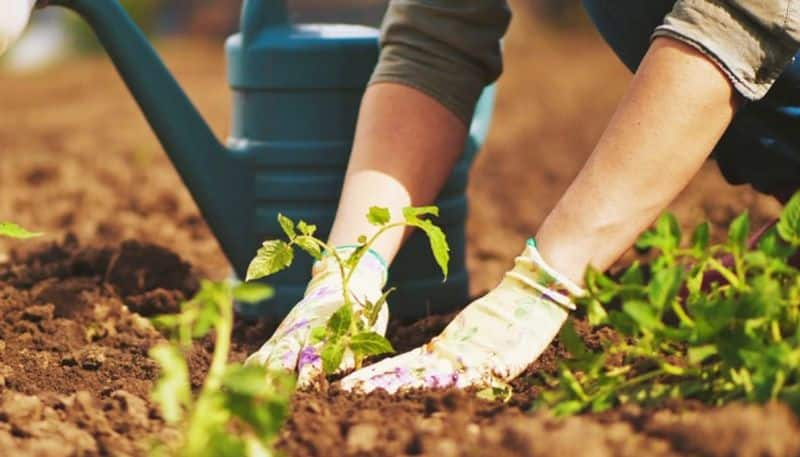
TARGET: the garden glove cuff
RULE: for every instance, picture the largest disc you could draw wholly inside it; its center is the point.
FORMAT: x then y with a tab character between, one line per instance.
290	347
488	343
13	19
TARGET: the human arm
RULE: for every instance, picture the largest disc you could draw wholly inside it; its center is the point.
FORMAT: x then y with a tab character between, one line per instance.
436	58
677	107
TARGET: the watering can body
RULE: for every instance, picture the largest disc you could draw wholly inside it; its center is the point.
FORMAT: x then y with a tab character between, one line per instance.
296	93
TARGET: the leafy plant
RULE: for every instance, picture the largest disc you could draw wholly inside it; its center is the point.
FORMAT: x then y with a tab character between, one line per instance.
239	409
12	230
716	323
349	327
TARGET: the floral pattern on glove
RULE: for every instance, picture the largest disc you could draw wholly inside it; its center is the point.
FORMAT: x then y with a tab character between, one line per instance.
290	348
488	343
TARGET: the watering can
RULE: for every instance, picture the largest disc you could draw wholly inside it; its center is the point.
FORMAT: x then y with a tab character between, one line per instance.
296	94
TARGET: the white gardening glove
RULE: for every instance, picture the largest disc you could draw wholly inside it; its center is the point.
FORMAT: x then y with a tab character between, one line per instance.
490	342
290	347
14	16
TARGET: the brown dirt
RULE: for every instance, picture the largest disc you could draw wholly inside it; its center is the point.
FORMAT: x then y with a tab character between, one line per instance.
77	158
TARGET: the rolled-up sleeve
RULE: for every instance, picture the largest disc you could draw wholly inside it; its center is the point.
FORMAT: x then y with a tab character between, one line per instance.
752	41
448	49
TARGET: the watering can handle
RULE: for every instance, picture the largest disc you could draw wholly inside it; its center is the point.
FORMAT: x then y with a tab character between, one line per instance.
258	14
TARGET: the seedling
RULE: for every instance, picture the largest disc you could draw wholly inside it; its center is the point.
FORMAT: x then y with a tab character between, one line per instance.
12	230
349	327
239	409
714	323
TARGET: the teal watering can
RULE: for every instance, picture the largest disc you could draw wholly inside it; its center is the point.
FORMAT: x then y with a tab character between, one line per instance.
296	93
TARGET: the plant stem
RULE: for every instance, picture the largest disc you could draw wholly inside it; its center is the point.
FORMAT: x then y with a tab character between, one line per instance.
224	327
197	435
726	273
371	241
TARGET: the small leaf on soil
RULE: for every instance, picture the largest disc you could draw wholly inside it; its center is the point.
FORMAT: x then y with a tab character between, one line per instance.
13	230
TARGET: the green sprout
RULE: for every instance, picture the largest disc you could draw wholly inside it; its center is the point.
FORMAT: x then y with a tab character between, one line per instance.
239	409
347	329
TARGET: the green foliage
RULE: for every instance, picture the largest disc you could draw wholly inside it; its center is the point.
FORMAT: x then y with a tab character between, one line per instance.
349	328
239	409
695	327
272	257
12	230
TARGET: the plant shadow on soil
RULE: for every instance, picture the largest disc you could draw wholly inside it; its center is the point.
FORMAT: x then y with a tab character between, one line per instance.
75	378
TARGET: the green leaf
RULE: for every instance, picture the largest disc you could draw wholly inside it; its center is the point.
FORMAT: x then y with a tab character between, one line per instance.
332	356
172	391
287	225
318	334
272	257
738	233
664	286
436	237
789	222
374	310
701	238
252	292
568	408
378	216
310	245
633	275
246	379
773	245
596	313
166	322
496	393
699	353
643	314
570	339
306	229
370	343
600	286
340	321
666	235
355	257
13	230
414	212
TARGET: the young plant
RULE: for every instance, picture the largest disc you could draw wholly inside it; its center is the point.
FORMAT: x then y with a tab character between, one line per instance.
239	409
349	327
12	230
714	323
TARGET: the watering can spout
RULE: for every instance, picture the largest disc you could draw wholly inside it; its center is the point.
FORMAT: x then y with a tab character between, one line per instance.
207	169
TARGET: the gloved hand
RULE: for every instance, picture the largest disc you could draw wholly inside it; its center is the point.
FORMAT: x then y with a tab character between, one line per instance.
14	16
290	347
488	343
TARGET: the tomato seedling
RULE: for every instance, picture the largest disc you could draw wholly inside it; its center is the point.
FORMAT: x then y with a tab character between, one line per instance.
715	323
348	328
239	409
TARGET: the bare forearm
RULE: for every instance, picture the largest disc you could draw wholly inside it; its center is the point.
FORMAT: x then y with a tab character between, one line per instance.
406	144
676	109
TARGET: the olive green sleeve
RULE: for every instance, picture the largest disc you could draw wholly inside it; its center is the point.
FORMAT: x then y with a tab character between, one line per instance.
448	49
752	41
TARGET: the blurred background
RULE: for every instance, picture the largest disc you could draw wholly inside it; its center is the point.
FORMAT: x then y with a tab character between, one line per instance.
66	35
76	156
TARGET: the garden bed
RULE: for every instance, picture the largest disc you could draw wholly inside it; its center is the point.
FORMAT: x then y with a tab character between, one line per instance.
76	378
77	162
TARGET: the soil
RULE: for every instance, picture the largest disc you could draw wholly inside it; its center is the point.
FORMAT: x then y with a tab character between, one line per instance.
124	242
